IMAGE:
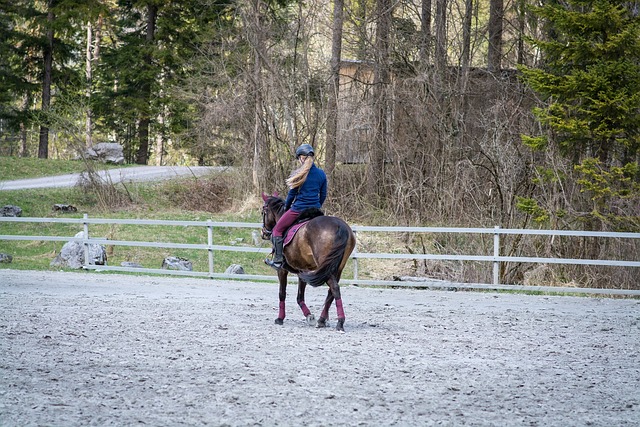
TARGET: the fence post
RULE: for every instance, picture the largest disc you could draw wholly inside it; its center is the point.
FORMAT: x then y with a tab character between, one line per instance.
210	249
355	258
86	240
496	254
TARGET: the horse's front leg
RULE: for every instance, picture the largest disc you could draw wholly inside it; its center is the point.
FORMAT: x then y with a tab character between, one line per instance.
302	285
282	295
324	316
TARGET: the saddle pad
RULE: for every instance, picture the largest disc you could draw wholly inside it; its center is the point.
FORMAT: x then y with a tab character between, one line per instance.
291	232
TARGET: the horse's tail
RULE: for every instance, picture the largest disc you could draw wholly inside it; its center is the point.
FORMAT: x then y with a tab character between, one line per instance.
331	264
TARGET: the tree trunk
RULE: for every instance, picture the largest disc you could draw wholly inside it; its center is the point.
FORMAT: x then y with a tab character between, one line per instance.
425	27
91	55
466	35
256	34
89	79
334	88
142	156
521	31
496	12
23	127
43	146
375	169
441	37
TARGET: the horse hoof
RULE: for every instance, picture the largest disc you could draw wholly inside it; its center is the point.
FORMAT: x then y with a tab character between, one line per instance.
279	321
311	319
321	323
340	325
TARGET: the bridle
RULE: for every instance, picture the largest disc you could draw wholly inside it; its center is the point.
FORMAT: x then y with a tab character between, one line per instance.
266	232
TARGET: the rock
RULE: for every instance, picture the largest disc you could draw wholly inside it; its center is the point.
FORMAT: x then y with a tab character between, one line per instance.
72	255
234	269
130	264
106	152
6	258
177	263
64	208
257	240
10	210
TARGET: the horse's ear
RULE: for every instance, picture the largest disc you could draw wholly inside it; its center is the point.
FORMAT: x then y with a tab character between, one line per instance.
275	194
264	196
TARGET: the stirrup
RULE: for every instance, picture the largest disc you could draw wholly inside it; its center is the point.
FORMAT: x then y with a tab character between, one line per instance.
273	264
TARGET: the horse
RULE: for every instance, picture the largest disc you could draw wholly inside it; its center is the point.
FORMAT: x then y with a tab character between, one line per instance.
317	254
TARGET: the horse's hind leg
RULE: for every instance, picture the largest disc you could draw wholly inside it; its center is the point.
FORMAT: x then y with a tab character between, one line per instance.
300	299
335	290
324	316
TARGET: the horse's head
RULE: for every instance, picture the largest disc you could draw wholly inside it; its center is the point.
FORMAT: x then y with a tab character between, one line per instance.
272	210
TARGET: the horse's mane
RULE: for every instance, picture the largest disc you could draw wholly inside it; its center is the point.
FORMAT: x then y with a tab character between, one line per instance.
276	204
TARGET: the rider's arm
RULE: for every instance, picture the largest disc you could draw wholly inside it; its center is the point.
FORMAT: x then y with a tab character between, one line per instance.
291	196
323	191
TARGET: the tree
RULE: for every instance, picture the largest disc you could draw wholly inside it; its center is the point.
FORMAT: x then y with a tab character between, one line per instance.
17	70
441	57
43	147
590	85
334	86
142	156
148	51
425	30
496	15
381	99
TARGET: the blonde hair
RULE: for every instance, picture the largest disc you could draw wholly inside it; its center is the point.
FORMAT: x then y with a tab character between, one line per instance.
299	176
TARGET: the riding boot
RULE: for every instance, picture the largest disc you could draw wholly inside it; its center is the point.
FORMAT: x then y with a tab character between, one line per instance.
278	258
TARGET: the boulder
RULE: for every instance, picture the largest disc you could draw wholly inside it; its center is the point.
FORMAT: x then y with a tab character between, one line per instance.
106	152
257	240
58	207
6	258
72	254
10	210
177	263
234	269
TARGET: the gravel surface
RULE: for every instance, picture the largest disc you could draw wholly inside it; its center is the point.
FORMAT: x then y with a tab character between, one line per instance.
84	349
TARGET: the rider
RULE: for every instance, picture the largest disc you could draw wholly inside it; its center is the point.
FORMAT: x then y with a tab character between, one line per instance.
307	189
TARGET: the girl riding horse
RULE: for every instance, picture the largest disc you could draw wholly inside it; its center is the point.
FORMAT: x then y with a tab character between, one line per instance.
307	189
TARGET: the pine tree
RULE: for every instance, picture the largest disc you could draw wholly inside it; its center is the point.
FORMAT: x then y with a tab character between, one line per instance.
18	67
590	87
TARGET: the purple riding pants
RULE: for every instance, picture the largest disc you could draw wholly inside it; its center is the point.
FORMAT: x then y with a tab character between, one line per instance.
285	222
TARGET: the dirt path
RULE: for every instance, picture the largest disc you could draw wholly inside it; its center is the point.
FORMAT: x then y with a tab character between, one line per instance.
133	173
102	349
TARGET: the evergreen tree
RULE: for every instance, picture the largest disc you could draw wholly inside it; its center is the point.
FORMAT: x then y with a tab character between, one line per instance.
153	46
19	67
590	87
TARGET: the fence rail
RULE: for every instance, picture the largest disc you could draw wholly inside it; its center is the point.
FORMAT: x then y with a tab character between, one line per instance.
495	258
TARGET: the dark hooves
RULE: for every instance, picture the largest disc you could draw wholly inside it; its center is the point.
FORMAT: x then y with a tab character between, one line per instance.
321	323
279	321
340	325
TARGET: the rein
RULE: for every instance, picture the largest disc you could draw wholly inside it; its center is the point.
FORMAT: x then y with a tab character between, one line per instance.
266	232
266	208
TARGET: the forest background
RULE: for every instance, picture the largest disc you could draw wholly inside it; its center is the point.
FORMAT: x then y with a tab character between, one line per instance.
425	112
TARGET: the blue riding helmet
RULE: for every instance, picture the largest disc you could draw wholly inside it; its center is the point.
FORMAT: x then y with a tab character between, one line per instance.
304	150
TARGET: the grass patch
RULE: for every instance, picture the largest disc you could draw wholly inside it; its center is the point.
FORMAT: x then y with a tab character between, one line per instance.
170	200
12	168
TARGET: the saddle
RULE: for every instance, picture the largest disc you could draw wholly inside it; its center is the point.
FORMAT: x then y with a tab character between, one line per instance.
304	217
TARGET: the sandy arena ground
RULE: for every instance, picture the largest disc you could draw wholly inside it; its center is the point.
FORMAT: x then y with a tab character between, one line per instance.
87	349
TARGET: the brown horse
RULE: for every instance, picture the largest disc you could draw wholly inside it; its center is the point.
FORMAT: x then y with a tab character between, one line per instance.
317	254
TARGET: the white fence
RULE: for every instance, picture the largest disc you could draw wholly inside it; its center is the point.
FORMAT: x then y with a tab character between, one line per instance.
494	258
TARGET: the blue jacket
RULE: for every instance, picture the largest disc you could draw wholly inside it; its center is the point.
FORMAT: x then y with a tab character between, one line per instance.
311	194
